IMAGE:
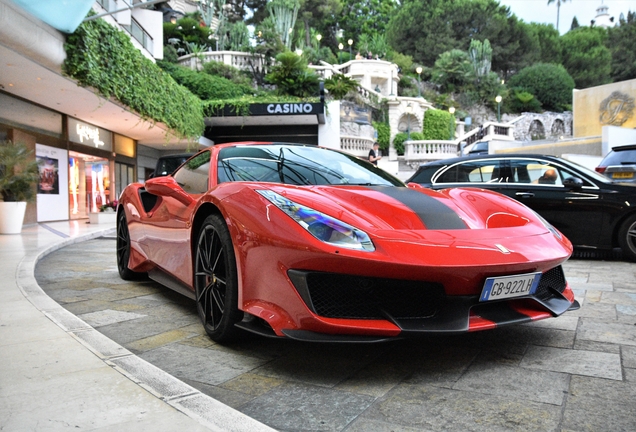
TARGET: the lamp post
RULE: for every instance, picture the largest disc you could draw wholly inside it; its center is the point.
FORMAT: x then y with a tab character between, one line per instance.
340	47
319	37
498	100
419	81
350	42
451	110
409	110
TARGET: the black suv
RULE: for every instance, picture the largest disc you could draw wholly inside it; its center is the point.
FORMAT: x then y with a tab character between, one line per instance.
619	164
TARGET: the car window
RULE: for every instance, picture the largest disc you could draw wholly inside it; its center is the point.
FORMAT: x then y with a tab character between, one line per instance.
475	171
193	176
536	171
620	157
298	165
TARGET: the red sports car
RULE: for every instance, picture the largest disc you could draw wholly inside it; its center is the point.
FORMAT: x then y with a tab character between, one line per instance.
309	243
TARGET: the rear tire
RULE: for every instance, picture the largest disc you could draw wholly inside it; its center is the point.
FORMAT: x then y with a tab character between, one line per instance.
123	250
627	238
216	280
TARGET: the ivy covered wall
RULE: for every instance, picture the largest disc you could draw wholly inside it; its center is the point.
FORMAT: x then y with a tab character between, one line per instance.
102	57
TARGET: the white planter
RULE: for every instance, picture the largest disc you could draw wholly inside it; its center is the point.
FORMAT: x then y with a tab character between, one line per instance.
12	217
103	218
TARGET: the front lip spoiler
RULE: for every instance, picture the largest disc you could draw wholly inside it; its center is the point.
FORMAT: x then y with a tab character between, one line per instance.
309	336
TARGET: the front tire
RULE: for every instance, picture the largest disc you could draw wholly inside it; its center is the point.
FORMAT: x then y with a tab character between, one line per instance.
216	280
627	238
123	250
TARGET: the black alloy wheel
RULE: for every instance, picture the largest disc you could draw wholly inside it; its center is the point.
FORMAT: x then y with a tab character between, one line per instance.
627	238
123	249
216	281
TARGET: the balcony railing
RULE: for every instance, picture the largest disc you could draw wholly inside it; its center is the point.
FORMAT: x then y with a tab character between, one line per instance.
355	145
429	150
238	59
141	35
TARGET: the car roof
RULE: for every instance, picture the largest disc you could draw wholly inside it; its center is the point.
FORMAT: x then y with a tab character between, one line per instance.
490	156
624	147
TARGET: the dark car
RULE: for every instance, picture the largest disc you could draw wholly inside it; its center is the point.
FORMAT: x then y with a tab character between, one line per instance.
620	164
168	164
588	208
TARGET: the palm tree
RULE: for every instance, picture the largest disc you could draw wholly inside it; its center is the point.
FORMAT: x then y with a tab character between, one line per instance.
558	3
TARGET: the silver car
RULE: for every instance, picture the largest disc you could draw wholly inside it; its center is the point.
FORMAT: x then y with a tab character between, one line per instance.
619	164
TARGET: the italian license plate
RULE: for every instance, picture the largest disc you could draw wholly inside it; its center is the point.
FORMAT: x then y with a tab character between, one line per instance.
502	287
622	175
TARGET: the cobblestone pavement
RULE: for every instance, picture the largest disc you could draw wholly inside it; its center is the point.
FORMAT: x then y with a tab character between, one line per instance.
573	373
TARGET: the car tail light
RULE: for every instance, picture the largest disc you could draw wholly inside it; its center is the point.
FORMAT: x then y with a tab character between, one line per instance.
600	169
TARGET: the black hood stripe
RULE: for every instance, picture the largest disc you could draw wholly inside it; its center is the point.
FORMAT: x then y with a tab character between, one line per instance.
434	214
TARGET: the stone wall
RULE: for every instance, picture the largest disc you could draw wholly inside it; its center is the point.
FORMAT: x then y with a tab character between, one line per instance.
540	126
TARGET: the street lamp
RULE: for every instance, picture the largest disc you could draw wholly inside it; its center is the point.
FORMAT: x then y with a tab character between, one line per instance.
350	42
319	37
451	110
299	52
498	100
340	47
419	81
409	110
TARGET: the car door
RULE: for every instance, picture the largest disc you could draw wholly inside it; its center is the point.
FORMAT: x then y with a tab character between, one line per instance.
168	226
563	196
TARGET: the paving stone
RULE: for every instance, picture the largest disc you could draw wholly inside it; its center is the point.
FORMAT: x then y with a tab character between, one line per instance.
208	366
597	414
130	331
511	383
564	322
299	407
88	306
618	333
365	425
108	316
622	298
590	286
588	345
440	409
628	354
625	390
158	340
591	309
443	368
252	384
588	363
228	397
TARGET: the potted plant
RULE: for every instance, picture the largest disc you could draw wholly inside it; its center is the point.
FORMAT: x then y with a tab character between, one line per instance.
18	176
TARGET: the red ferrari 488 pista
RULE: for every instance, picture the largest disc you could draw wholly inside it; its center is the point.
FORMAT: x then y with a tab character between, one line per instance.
314	244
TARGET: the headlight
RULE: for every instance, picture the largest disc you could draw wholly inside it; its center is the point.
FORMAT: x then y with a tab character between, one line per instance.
323	227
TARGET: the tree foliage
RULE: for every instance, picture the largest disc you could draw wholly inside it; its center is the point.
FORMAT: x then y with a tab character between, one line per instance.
291	76
550	84
339	85
425	29
622	44
384	134
586	57
548	41
452	69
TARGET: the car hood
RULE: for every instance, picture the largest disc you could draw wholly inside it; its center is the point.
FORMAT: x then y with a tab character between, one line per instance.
386	208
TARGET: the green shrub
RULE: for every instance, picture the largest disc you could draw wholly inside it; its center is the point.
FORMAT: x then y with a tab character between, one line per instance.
226	71
384	134
100	56
339	85
437	124
522	101
550	84
398	142
207	86
291	76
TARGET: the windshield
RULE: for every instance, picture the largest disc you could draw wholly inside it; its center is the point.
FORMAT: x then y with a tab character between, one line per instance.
298	165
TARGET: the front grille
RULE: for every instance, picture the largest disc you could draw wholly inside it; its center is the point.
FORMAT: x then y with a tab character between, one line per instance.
342	296
552	279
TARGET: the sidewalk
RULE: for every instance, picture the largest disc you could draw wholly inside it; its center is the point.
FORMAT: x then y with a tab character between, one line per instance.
58	373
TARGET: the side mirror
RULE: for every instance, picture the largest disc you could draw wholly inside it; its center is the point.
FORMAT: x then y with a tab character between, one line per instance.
168	187
573	183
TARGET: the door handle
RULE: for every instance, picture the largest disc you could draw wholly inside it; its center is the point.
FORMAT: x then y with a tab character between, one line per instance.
524	194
